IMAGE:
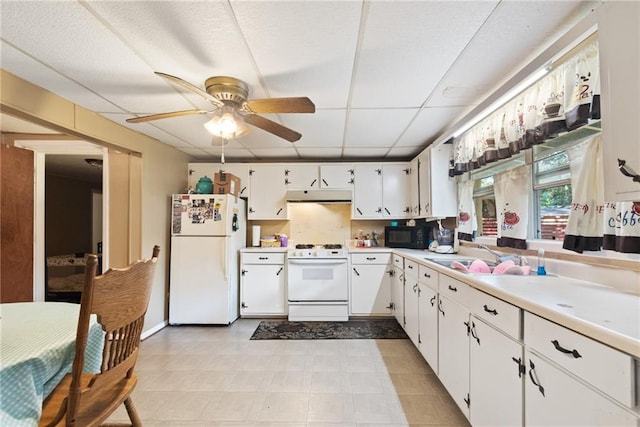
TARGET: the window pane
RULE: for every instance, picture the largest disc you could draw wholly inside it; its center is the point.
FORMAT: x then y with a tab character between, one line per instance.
557	161
554	205
488	221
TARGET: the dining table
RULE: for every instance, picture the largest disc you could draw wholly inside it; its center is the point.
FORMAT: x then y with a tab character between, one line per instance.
37	347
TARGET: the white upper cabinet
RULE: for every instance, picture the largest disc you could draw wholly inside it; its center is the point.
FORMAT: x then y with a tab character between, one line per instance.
619	35
301	176
381	190
438	192
267	192
414	188
336	176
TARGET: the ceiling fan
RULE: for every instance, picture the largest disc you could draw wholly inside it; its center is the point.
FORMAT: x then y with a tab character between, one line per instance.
232	109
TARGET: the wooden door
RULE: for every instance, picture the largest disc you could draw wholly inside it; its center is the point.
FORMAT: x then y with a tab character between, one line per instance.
16	224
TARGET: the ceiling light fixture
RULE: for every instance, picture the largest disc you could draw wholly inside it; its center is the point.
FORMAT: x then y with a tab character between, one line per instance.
504	99
227	124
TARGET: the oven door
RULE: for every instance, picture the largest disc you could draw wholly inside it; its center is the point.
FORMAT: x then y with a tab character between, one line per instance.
317	280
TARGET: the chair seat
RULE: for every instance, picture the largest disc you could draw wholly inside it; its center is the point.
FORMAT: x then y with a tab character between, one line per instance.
87	414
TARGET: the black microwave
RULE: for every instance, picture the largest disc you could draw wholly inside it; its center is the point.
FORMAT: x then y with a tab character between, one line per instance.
416	237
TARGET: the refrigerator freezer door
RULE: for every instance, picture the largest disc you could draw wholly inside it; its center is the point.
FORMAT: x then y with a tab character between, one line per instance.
202	214
200	290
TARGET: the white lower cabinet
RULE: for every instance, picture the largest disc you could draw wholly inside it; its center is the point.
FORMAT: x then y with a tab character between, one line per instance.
411	301
496	371
453	351
397	289
262	284
428	326
370	285
555	398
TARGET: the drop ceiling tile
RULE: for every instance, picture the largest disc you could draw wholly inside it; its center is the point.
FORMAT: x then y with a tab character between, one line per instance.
371	153
324	128
303	48
408	47
377	127
320	153
274	153
427	126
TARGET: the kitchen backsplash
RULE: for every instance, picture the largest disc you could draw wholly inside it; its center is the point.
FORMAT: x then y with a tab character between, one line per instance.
318	223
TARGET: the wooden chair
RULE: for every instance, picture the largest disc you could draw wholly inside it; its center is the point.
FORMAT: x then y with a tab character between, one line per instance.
119	298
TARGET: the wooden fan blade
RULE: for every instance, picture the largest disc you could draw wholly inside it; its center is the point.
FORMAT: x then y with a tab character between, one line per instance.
165	115
182	83
273	127
281	105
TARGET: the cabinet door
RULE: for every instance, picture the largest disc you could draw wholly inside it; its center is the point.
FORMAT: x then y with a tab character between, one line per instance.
267	189
411	314
339	176
414	189
301	176
395	190
443	191
619	25
428	325
453	351
424	183
367	191
370	289
263	289
397	295
553	397
496	378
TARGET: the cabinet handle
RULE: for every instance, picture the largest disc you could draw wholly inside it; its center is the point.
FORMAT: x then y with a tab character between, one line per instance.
359	211
410	267
432	300
242	191
279	210
243	305
355	271
452	288
279	271
521	367
415	288
492	310
474	333
326	184
264	258
532	373
312	183
468	327
467	400
371	258
440	307
387	211
573	352
627	171
427	275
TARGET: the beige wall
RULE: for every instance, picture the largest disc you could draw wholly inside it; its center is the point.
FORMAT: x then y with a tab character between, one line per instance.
164	169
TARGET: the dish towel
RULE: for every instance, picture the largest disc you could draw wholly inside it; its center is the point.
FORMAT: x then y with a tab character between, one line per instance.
512	206
585	225
467	222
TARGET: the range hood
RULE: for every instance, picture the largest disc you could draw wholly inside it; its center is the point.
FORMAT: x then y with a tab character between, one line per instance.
319	196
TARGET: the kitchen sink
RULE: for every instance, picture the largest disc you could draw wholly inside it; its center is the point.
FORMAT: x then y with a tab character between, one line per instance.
446	262
466	262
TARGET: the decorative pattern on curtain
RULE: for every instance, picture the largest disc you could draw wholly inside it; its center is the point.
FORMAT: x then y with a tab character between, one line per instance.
511	189
622	227
584	228
467	222
565	99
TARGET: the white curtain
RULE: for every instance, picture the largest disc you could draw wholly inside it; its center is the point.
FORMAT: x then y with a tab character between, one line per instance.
467	221
585	226
512	189
622	226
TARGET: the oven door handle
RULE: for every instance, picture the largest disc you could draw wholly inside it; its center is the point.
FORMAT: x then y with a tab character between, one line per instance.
317	261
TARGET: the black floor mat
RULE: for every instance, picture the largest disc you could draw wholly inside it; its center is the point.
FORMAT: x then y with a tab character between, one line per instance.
352	329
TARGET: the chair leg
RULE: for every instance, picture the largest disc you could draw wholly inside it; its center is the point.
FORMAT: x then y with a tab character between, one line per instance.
133	413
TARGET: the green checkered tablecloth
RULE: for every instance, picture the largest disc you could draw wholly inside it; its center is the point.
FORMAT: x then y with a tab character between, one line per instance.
37	346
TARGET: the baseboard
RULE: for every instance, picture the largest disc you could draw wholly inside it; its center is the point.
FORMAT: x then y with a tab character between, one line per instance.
146	334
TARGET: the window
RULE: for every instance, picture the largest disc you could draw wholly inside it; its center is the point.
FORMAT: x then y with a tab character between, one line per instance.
485	206
552	196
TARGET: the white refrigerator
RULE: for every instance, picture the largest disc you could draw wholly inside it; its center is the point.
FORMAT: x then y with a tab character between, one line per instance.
207	231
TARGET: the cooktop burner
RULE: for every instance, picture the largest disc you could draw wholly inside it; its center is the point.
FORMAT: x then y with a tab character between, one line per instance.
304	246
332	246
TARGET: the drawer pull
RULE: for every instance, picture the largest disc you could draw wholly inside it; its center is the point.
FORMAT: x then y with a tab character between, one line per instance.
371	258
558	347
427	275
532	373
490	310
263	258
453	288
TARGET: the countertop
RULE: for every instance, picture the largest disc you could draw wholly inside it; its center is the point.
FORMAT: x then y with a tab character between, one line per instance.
266	249
599	312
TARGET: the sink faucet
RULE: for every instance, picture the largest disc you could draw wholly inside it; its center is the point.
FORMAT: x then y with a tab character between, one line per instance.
502	258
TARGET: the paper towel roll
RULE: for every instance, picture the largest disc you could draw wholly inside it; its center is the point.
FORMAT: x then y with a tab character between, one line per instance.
255	235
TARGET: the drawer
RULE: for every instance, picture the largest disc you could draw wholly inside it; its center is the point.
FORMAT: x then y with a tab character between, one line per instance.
428	276
398	261
411	269
371	258
455	289
595	363
263	258
496	312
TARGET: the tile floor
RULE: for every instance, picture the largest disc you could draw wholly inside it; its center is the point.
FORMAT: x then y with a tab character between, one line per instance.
215	376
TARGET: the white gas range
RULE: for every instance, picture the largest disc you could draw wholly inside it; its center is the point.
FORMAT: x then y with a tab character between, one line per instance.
318	283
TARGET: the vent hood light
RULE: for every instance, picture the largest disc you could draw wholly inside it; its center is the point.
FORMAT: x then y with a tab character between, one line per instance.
320	196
